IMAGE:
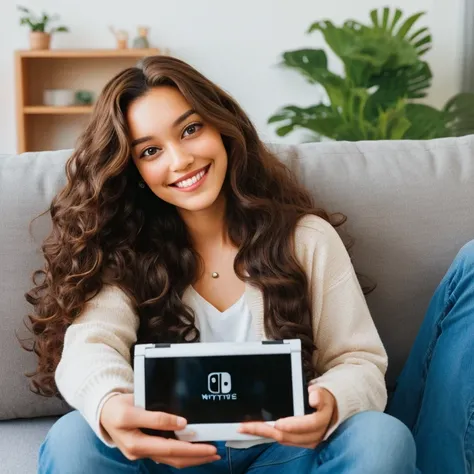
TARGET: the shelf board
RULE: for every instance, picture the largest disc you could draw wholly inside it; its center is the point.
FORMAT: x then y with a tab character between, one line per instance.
89	53
48	110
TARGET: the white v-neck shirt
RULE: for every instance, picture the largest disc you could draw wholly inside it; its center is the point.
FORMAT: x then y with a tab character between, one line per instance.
235	324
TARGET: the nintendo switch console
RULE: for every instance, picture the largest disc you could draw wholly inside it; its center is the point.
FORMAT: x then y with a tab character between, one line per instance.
216	386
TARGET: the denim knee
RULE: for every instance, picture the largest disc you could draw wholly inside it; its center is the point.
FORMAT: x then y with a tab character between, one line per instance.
69	446
381	443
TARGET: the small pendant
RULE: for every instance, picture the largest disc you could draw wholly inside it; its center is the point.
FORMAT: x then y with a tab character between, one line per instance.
215	275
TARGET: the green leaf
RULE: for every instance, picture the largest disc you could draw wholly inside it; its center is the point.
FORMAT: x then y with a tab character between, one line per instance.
396	18
277	118
406	27
313	65
460	114
423	41
402	34
61	29
375	18
423	51
320	119
391	86
385	24
418	33
285	130
426	122
386	13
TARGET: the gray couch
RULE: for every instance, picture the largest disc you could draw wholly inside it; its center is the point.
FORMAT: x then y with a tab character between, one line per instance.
410	208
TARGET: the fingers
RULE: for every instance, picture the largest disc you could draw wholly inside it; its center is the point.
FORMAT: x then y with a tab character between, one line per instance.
181	463
133	417
140	446
309	439
301	424
259	429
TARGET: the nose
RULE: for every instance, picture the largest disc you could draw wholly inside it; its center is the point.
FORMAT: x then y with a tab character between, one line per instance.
180	158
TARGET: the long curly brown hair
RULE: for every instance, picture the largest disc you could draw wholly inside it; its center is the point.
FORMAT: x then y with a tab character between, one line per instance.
107	230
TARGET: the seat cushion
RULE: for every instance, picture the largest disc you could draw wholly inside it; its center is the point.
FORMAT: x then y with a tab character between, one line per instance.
20	441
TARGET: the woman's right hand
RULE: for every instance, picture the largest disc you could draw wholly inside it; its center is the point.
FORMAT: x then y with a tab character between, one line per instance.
122	420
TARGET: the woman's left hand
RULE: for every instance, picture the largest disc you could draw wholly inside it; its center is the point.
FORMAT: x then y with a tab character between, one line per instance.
305	431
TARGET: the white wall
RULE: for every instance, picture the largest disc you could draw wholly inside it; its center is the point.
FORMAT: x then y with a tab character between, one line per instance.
236	44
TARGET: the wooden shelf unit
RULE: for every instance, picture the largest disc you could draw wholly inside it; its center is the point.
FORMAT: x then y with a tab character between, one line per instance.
41	127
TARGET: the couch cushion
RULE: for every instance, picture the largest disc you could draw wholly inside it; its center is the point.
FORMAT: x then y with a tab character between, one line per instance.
20	441
28	182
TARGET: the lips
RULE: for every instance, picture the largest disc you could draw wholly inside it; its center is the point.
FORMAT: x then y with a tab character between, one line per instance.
191	175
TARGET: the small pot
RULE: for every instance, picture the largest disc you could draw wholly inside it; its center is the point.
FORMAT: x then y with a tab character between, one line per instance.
39	40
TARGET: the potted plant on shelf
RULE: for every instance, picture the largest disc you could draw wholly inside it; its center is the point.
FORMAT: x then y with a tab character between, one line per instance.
40	38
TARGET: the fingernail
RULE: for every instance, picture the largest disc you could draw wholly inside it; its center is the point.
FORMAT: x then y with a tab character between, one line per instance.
181	421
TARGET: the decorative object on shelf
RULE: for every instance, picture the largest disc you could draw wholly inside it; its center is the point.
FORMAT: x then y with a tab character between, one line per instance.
84	97
121	37
376	98
59	97
39	37
141	41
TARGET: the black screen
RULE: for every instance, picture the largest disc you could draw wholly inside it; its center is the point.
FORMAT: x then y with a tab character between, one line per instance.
221	389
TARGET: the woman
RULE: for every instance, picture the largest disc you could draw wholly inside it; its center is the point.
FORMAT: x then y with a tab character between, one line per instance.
175	215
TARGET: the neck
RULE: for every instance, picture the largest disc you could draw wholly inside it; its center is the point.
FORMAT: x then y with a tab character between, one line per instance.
207	227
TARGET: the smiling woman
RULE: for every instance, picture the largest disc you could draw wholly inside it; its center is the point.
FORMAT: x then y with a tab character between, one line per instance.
177	224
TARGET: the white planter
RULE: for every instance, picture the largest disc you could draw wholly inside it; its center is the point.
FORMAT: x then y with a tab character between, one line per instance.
59	97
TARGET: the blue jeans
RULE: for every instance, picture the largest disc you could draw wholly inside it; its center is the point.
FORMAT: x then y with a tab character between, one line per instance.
434	396
367	443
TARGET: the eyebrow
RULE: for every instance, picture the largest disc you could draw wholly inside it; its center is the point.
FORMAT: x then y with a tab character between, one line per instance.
180	119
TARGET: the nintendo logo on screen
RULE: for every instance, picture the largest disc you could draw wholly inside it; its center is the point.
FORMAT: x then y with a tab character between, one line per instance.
219	385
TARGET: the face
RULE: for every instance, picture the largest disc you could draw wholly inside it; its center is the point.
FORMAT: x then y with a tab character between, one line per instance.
180	157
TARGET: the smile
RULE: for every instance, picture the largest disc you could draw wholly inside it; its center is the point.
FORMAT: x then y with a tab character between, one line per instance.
193	180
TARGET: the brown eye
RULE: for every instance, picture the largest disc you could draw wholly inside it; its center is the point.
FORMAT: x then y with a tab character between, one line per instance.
192	129
150	151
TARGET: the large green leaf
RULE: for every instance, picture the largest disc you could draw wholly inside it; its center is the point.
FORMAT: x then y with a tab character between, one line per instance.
421	40
346	124
320	119
460	114
366	51
404	83
426	122
313	64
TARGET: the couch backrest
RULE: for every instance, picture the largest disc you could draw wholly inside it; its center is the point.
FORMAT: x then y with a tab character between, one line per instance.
409	209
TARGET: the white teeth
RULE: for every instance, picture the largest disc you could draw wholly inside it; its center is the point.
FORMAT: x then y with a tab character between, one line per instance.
189	182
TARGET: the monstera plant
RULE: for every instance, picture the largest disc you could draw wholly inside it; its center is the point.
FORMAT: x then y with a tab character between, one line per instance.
377	97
